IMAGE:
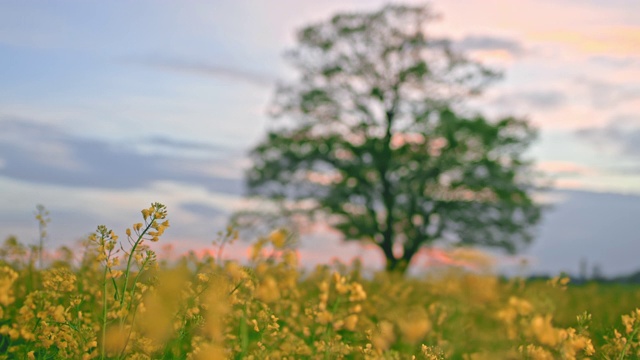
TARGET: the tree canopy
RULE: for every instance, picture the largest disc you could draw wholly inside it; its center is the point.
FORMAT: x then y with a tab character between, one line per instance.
373	133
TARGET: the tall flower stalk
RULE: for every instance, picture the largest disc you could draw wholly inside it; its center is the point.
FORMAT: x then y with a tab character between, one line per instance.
42	216
137	253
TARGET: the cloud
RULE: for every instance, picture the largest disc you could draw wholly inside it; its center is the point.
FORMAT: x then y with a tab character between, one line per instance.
183	144
620	136
179	148
615	62
564	168
489	43
40	153
50	149
536	99
543	99
208	69
620	41
493	51
203	210
604	94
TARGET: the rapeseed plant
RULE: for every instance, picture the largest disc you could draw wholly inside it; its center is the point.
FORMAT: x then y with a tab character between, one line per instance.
42	216
118	302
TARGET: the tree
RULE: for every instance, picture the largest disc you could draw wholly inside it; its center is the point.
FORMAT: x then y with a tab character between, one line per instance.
372	134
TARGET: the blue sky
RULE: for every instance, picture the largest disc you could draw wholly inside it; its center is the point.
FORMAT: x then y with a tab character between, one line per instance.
108	106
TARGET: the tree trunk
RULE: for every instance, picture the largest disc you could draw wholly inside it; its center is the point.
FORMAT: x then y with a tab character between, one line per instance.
398	266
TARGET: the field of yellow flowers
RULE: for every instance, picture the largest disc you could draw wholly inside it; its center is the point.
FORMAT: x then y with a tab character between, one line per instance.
118	301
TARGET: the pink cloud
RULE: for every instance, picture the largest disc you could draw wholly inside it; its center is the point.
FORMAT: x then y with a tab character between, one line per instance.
564	168
619	41
494	57
570	184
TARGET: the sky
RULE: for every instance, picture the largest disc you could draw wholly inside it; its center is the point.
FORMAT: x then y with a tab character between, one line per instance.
106	107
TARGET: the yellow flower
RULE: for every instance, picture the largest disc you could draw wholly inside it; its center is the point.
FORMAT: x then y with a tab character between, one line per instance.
414	328
521	306
324	317
58	314
278	238
350	322
535	353
203	277
256	250
268	290
544	331
385	336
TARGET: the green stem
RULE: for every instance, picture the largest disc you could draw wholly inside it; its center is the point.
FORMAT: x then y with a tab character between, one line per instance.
126	343
219	256
104	312
244	333
115	286
133	285
326	334
629	339
236	287
131	254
